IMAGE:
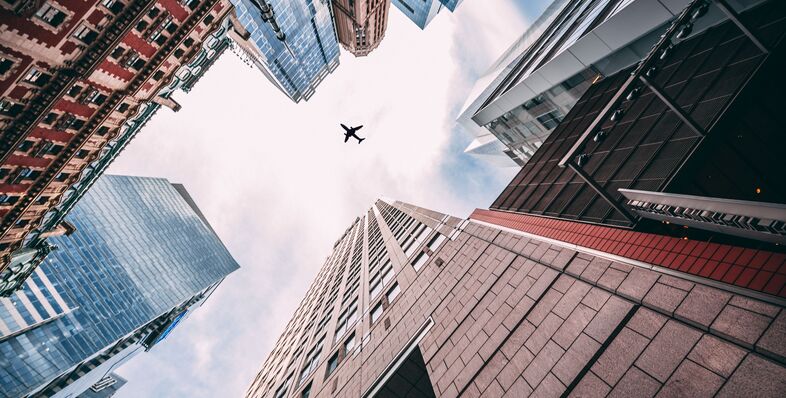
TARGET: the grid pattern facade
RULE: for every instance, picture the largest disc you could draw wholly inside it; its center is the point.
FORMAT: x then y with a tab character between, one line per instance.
421	12
312	50
647	145
512	314
139	251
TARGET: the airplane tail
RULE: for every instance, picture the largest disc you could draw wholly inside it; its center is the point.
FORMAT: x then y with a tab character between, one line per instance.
360	140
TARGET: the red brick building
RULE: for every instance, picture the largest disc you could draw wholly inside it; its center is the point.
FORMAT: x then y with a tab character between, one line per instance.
360	25
71	74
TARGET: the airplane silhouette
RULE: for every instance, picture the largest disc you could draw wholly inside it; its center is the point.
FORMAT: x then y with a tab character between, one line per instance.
350	132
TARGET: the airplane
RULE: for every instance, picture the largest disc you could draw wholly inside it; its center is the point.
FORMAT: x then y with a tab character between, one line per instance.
350	132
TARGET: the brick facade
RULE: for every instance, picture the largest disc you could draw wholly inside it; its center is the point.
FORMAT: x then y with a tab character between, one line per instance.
73	72
515	315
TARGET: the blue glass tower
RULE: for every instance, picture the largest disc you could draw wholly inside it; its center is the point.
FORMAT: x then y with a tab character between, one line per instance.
296	46
142	256
421	12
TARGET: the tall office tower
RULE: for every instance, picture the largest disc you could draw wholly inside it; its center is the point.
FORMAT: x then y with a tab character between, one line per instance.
361	26
538	80
421	12
292	42
414	303
142	257
77	81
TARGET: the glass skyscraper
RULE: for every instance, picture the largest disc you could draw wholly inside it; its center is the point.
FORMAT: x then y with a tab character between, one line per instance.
421	12
308	52
141	256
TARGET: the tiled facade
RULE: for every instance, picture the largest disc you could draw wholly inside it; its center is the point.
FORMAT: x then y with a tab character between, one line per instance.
496	312
72	74
360	25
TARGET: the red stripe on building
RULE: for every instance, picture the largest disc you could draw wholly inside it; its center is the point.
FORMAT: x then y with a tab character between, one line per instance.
175	8
14	188
139	44
19	92
28	161
759	270
74	107
115	69
51	135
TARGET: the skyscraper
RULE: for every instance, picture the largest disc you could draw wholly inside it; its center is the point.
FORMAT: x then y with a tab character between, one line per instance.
538	80
413	302
421	12
638	253
77	81
361	26
140	259
293	43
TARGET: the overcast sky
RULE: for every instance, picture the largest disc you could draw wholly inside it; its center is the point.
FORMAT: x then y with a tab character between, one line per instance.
279	185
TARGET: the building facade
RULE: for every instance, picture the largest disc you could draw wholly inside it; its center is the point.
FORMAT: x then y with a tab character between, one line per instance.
361	26
421	12
77	79
293	43
538	80
413	302
141	259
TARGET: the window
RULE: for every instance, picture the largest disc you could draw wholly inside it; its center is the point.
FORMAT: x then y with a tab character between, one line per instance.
117	52
349	344
419	261
5	65
35	76
112	5
375	290
312	360
50	118
533	102
306	391
551	119
141	26
50	15
387	276
9	108
62	177
376	312
393	293
25	146
123	107
282	391
85	34
332	364
74	90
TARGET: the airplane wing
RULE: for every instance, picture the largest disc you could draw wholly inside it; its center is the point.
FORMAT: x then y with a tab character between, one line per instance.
345	127
358	127
346	137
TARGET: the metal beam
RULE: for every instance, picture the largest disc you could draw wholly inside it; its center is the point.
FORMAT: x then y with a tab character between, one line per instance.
601	191
735	17
687	119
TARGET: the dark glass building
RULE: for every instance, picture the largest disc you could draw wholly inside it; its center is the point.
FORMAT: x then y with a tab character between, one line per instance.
142	256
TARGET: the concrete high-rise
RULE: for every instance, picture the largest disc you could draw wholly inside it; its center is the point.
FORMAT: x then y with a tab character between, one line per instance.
527	92
77	82
413	302
140	259
421	12
361	25
293	43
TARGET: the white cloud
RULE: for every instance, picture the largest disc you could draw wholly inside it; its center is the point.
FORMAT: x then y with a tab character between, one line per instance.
279	185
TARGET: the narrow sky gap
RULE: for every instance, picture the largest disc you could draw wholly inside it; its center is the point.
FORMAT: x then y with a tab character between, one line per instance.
279	185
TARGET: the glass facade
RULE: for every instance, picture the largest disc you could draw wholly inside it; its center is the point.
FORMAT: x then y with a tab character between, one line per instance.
419	11
140	249
310	50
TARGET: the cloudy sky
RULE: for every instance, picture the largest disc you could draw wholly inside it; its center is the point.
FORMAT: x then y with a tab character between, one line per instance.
279	185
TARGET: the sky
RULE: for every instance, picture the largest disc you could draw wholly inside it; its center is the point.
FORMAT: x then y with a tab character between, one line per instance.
279	185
